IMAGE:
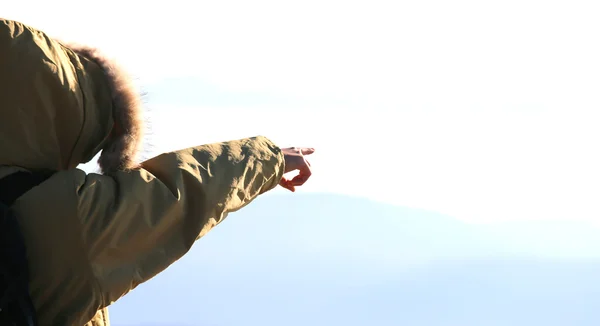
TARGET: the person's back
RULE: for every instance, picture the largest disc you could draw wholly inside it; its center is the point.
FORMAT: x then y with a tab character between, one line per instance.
91	238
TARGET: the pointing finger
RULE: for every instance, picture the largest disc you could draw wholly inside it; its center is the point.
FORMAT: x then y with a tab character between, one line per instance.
307	151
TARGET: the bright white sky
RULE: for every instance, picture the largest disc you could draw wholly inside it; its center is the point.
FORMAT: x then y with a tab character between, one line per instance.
485	110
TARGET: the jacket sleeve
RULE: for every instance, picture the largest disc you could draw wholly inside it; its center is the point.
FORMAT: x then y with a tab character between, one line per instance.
138	223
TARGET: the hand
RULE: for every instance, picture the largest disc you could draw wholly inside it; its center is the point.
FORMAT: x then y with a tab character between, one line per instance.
295	160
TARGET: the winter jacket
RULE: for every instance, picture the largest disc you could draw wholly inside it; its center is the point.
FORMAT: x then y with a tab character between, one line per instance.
92	238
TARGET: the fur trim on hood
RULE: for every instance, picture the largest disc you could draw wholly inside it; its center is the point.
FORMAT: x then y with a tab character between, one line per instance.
121	149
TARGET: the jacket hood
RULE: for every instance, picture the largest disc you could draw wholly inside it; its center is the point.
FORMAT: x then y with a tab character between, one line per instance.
61	104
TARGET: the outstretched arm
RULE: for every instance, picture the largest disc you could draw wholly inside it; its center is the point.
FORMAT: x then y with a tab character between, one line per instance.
147	219
93	238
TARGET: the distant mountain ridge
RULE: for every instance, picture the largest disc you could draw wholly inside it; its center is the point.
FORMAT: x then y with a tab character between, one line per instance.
321	259
359	220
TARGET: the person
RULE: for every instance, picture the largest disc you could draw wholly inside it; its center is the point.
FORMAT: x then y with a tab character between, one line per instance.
89	239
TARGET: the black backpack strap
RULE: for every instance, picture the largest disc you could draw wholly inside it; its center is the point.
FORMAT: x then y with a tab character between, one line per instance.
15	303
15	185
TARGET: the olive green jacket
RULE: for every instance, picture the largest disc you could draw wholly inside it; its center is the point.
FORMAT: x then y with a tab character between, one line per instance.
92	238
